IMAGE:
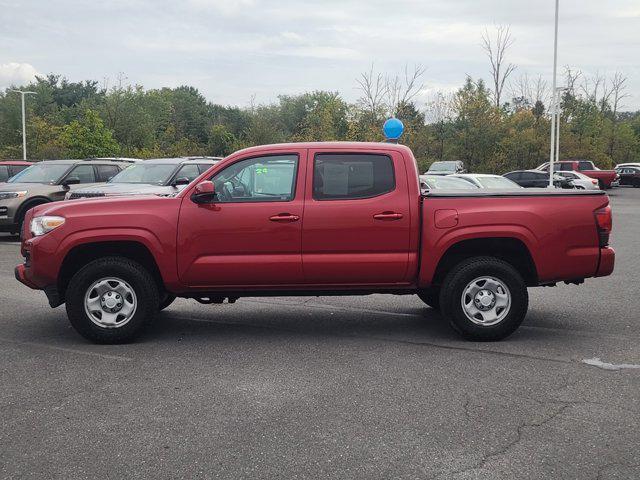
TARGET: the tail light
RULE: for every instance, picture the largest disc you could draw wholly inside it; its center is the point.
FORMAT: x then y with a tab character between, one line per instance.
604	223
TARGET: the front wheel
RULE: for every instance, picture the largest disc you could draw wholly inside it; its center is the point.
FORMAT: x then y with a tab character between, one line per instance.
484	298
111	300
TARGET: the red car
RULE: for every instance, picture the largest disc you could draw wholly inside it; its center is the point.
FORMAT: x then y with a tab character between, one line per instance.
605	177
314	219
8	168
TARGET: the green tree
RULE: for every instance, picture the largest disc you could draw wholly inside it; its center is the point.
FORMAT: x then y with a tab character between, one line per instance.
88	137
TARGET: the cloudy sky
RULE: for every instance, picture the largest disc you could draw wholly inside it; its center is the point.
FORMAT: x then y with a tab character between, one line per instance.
234	49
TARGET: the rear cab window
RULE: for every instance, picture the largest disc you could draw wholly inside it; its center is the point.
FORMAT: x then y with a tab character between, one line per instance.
352	176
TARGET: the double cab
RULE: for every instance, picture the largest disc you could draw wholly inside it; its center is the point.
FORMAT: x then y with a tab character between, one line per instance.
313	219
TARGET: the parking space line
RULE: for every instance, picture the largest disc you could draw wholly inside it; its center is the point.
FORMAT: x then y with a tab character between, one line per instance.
68	350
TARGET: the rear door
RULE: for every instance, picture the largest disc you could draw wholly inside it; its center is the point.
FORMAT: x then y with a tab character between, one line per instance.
251	235
357	221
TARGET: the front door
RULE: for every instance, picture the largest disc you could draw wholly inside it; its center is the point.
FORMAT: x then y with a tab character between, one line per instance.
251	235
356	221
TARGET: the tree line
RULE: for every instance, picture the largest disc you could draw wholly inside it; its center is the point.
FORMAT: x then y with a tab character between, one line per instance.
494	127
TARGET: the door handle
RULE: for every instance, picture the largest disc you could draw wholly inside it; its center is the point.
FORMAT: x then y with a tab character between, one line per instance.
387	216
284	217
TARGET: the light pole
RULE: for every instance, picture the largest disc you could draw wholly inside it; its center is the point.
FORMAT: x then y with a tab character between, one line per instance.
24	130
554	101
559	90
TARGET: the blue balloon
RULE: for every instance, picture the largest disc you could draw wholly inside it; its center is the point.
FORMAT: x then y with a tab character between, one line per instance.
393	128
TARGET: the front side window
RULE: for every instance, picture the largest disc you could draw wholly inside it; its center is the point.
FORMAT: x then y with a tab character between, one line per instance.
566	167
259	179
188	171
84	173
352	176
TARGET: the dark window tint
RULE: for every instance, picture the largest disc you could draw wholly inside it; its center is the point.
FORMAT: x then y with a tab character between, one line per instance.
203	167
528	176
107	172
4	173
514	176
345	176
566	167
260	179
188	171
15	169
83	172
583	165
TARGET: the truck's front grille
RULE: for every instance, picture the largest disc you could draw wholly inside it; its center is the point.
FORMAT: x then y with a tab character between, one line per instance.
75	195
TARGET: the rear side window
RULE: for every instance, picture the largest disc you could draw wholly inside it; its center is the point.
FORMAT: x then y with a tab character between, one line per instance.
514	176
583	165
4	173
352	176
107	172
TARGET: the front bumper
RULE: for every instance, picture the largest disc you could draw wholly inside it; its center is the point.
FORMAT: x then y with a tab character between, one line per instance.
21	275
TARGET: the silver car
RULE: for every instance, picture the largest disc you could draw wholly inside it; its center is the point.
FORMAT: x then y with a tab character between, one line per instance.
160	176
485	180
579	180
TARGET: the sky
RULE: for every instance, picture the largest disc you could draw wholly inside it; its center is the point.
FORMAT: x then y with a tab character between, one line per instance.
236	50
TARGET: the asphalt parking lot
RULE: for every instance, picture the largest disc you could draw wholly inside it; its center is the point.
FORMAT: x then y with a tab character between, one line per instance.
364	387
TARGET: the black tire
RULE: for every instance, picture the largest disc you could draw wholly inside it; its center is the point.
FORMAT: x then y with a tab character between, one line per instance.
636	183
136	276
452	292
430	296
601	185
23	212
167	300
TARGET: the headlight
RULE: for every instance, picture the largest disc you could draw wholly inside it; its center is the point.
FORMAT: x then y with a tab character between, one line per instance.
8	195
42	225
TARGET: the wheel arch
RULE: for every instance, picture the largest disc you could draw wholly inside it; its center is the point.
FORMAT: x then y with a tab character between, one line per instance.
80	255
509	249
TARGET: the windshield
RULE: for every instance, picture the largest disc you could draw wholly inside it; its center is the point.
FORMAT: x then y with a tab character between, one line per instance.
496	182
443	167
156	173
447	182
41	173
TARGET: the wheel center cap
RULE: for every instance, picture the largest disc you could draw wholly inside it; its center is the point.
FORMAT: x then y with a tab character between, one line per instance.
484	299
111	301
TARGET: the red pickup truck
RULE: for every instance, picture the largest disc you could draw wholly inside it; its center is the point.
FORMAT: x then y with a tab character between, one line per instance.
313	219
605	177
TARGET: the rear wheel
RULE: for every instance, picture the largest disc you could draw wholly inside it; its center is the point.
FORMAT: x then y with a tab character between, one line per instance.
484	298
601	185
430	296
636	183
111	300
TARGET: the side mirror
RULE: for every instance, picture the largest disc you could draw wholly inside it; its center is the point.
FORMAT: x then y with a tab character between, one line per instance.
181	181
70	181
204	192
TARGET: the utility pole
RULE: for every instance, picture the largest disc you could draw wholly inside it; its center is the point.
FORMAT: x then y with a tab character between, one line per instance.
559	90
24	129
554	101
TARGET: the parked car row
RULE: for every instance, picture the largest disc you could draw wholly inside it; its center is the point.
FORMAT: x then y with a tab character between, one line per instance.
568	174
33	184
